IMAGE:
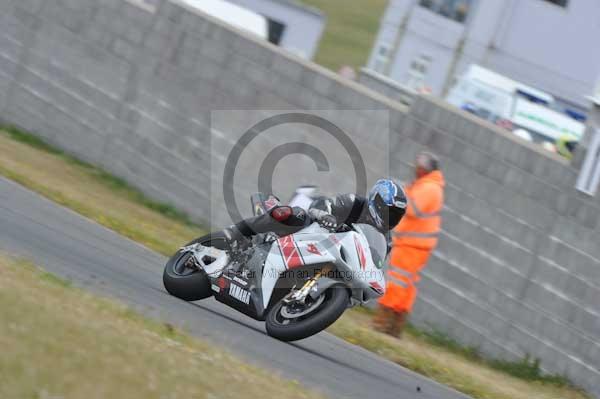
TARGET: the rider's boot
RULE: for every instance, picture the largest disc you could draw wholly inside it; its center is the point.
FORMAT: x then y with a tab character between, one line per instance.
235	239
237	243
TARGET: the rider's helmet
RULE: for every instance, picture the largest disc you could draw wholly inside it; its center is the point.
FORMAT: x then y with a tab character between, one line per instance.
387	203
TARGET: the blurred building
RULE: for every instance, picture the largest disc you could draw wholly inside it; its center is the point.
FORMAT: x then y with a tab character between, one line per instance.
293	26
548	44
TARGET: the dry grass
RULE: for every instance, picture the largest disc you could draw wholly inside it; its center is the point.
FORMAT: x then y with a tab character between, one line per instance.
87	190
60	342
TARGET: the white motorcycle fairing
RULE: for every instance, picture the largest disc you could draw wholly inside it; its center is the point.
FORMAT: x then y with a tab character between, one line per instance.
349	252
352	257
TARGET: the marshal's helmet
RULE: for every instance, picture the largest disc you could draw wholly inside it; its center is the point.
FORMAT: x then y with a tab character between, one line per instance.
387	204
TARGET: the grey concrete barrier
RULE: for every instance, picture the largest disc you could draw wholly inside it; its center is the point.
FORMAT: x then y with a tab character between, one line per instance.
386	86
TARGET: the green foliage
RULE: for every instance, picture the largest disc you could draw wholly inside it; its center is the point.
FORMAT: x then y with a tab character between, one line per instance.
29	139
529	369
54	279
442	340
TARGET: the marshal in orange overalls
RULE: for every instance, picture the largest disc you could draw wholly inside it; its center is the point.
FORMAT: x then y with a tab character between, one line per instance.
413	240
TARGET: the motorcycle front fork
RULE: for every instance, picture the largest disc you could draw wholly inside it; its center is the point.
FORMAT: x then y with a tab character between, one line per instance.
299	296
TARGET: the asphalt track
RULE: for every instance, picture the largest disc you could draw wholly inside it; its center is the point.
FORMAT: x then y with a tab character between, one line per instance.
104	262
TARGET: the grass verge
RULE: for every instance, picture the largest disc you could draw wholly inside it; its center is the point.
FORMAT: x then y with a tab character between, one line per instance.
350	31
443	360
60	342
87	190
93	193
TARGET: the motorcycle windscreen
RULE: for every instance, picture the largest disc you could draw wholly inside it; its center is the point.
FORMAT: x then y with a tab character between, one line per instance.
377	243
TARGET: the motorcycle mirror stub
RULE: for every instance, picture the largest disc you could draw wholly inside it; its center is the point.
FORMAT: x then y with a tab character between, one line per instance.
281	213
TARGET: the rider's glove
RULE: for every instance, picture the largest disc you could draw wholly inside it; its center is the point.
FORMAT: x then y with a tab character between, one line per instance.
324	219
327	221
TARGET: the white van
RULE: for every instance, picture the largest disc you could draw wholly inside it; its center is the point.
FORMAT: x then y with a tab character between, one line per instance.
234	15
512	105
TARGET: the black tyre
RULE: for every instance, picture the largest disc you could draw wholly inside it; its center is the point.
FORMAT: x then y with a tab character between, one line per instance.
184	282
334	302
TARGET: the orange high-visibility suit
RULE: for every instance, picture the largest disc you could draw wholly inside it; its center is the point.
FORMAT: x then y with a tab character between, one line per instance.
413	240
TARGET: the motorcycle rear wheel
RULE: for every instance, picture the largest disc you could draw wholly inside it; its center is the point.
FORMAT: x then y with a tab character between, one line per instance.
185	283
328	311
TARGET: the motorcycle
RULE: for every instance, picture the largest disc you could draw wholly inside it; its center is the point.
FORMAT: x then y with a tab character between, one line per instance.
297	284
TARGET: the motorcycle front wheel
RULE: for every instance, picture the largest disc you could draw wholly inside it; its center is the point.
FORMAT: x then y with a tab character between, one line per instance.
287	325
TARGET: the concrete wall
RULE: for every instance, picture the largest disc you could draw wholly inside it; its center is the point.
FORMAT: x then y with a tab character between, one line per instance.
141	86
384	85
518	267
519	248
